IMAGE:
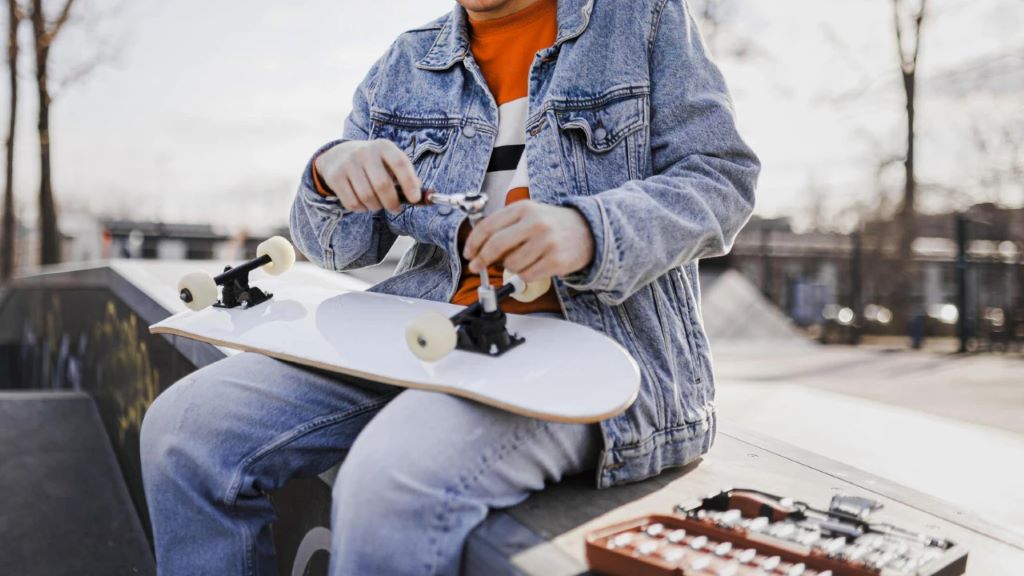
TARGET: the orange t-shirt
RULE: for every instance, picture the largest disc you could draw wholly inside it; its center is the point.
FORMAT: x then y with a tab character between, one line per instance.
504	49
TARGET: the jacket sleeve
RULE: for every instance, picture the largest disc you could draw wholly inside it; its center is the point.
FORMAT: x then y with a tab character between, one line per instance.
702	189
327	233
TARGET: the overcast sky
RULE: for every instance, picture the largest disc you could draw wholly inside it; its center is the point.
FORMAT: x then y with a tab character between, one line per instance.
207	111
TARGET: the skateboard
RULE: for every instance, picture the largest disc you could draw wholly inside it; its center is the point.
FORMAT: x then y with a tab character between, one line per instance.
534	366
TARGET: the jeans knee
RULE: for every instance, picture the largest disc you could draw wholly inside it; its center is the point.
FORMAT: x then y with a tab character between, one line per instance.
160	428
375	479
389	489
360	481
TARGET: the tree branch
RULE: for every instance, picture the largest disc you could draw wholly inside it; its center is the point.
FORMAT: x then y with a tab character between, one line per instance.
16	16
65	13
908	61
899	34
79	72
918	21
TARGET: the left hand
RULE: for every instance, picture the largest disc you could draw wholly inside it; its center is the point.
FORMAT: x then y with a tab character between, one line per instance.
532	239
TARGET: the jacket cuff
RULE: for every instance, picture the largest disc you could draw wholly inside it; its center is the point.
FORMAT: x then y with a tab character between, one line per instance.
310	177
318	184
311	180
600	271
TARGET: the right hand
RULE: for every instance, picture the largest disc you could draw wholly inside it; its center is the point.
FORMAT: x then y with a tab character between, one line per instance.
364	173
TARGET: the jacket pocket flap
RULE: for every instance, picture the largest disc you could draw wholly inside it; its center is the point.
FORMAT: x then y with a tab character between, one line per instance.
415	141
604	126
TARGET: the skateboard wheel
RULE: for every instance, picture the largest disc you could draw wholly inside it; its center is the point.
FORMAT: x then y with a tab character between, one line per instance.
281	252
197	290
431	336
526	291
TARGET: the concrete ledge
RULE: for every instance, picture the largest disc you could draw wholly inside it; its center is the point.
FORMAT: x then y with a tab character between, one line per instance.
546	532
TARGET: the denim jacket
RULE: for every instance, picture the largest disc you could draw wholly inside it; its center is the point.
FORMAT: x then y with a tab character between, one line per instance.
631	124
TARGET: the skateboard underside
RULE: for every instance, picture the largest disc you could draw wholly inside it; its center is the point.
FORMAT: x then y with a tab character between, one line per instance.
563	372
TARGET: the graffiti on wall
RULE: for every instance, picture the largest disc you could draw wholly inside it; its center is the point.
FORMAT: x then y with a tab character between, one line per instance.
87	340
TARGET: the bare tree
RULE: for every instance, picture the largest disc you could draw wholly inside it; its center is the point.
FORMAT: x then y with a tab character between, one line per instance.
816	207
908	18
14	17
44	33
711	14
717	20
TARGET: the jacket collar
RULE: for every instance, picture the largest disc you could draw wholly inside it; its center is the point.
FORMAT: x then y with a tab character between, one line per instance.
452	42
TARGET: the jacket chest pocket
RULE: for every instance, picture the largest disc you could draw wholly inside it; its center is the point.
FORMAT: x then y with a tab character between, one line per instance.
425	144
604	145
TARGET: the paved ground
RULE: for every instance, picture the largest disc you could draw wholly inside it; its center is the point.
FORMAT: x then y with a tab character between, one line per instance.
946	425
986	389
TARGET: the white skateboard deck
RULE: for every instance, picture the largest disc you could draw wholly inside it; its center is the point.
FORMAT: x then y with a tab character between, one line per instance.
564	372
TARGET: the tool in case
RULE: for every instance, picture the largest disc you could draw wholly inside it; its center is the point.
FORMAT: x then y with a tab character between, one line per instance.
744	532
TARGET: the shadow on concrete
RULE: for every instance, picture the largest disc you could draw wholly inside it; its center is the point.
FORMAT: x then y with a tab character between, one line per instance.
576	501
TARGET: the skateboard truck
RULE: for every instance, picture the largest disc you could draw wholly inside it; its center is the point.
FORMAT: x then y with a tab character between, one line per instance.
482	326
235	289
199	290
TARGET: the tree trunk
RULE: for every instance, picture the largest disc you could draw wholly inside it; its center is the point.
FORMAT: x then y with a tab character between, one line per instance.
908	209
48	230
7	235
908	28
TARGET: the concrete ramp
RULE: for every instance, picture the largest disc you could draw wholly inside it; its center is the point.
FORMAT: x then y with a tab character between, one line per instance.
734	309
66	509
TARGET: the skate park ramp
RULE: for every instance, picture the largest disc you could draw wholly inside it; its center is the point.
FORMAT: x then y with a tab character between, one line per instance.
66	510
84	329
734	309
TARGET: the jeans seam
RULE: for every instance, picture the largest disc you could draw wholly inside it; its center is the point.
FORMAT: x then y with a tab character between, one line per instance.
451	494
248	542
231	495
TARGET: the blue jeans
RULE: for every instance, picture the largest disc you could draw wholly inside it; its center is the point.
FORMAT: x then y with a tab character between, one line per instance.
420	470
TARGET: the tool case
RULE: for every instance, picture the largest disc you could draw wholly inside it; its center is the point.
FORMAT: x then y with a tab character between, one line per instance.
742	532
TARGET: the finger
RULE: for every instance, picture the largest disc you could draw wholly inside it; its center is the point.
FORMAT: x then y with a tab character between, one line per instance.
400	166
543	267
361	186
347	196
326	177
499	244
489	226
383	185
524	256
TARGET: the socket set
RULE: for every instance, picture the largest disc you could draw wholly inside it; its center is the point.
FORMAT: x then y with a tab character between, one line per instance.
753	533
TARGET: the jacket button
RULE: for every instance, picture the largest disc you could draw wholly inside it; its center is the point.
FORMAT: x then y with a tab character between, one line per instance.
600	134
469	131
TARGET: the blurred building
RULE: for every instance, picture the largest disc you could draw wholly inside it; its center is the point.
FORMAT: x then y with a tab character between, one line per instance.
813	276
160	240
85	238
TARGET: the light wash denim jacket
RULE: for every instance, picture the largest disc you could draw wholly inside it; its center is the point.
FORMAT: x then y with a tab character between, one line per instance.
631	124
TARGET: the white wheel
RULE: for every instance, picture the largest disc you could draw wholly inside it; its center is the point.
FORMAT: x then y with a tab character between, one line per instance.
197	290
281	252
431	336
527	292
